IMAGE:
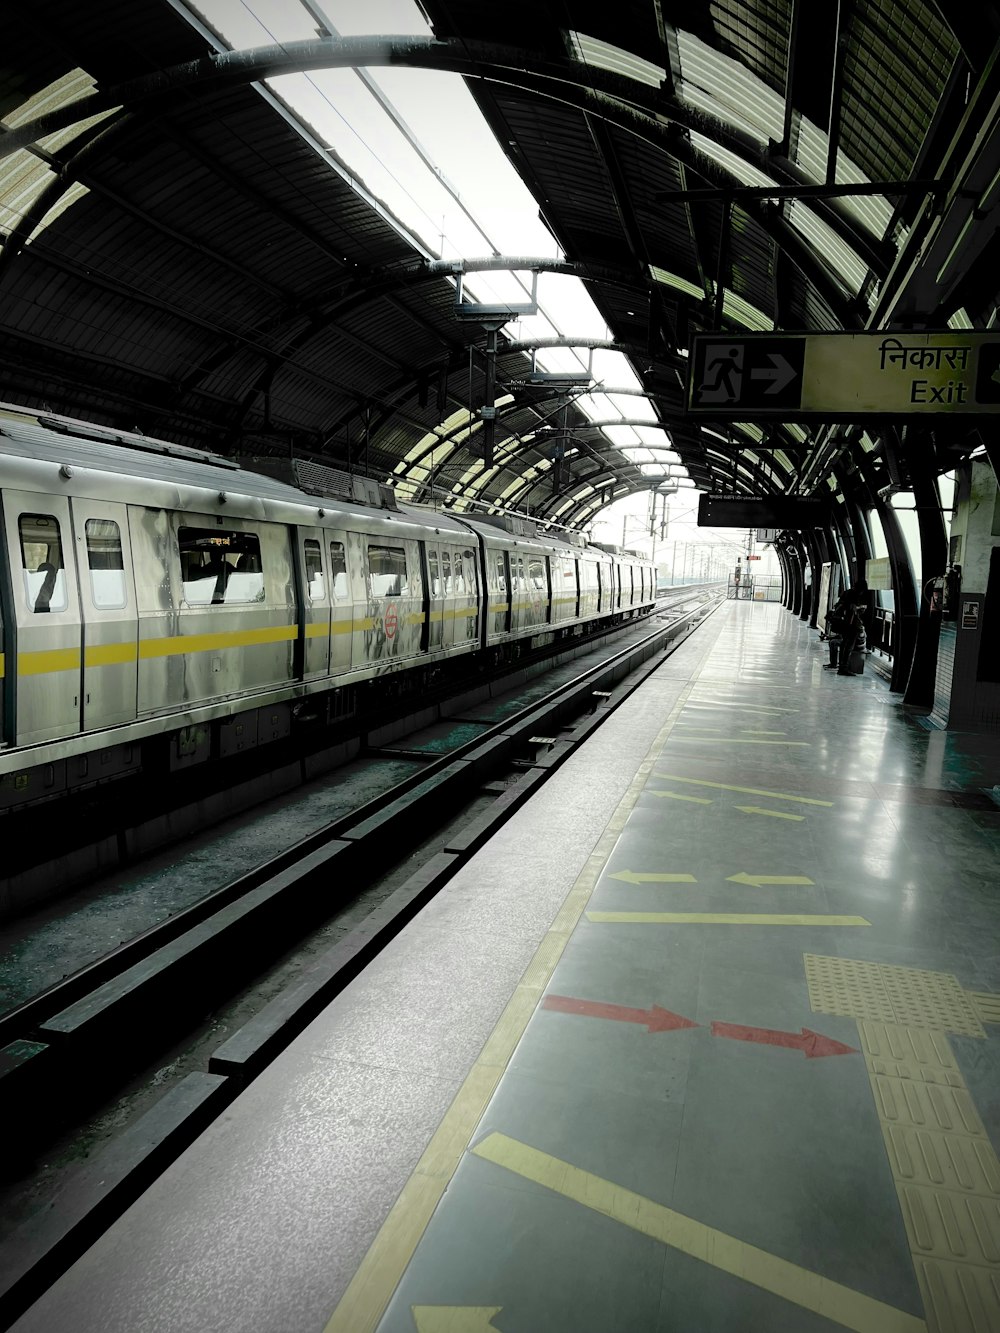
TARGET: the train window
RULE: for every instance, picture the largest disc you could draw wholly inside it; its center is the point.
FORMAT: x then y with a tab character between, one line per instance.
501	573
536	574
521	581
338	570
459	572
107	568
42	563
315	581
220	567
446	573
387	571
432	565
469	566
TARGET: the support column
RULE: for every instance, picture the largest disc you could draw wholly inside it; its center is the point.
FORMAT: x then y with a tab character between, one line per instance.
919	691
967	680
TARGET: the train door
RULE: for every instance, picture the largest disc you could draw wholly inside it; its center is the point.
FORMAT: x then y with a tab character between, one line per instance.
518	594
467	595
47	616
315	609
341	608
110	615
448	605
499	594
7	650
435	601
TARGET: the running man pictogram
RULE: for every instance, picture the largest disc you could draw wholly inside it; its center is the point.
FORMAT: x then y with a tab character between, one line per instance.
723	374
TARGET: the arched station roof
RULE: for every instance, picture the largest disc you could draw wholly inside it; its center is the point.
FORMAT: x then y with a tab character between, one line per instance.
181	256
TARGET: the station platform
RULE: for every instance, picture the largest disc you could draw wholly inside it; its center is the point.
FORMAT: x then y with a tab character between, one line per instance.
704	1040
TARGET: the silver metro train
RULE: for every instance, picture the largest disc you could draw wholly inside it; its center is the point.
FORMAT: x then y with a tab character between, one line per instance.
149	591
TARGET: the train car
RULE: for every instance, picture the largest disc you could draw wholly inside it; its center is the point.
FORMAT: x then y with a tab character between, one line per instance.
151	591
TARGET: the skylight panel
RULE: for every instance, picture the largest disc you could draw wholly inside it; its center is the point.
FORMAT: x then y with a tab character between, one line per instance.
874	212
679	284
66	200
737	166
602	55
960	319
24	176
844	261
746	314
725	89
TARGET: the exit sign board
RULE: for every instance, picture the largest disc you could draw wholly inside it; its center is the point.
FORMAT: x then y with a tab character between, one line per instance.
844	376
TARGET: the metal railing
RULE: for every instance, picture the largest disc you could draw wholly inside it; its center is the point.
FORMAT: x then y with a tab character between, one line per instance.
882	630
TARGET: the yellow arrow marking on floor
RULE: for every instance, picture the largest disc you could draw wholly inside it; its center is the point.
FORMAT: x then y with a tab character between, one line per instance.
750	791
455	1318
759	810
640	877
679	796
722	919
758	880
844	1306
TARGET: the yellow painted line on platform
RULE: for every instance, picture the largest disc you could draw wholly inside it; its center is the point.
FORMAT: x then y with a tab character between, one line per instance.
1	666
703	702
748	791
371	1288
752	731
721	919
733	740
774	814
680	796
744	877
809	1291
455	1318
641	877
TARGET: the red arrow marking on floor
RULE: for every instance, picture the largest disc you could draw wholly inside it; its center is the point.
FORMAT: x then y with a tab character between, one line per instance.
811	1044
654	1018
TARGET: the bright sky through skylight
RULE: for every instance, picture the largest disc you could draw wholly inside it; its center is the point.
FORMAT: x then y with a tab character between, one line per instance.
445	143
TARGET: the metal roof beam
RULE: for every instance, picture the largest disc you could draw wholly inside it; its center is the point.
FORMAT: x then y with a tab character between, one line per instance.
628	103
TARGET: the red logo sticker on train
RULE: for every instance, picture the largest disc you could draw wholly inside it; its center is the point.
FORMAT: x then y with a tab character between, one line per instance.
391	621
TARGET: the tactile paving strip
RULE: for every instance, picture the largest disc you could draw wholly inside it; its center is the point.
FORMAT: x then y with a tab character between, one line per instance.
986	1006
902	995
946	1172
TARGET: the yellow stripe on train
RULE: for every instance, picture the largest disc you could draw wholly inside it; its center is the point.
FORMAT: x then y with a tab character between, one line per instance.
201	643
52	659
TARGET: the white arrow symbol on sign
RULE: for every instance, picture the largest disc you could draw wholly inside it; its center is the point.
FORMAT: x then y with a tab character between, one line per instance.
781	374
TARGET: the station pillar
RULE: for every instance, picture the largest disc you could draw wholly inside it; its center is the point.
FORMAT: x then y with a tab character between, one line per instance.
966	599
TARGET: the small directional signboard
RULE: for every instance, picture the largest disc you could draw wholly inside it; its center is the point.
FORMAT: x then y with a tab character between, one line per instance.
844	376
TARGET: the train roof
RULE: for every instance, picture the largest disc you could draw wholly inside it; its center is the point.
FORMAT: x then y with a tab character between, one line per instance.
66	442
77	444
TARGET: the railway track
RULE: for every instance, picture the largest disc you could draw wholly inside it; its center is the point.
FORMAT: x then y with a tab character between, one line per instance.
66	1049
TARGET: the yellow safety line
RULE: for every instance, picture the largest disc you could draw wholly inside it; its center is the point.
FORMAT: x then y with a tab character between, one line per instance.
680	796
733	740
772	814
721	919
749	791
370	1290
1	666
810	1291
